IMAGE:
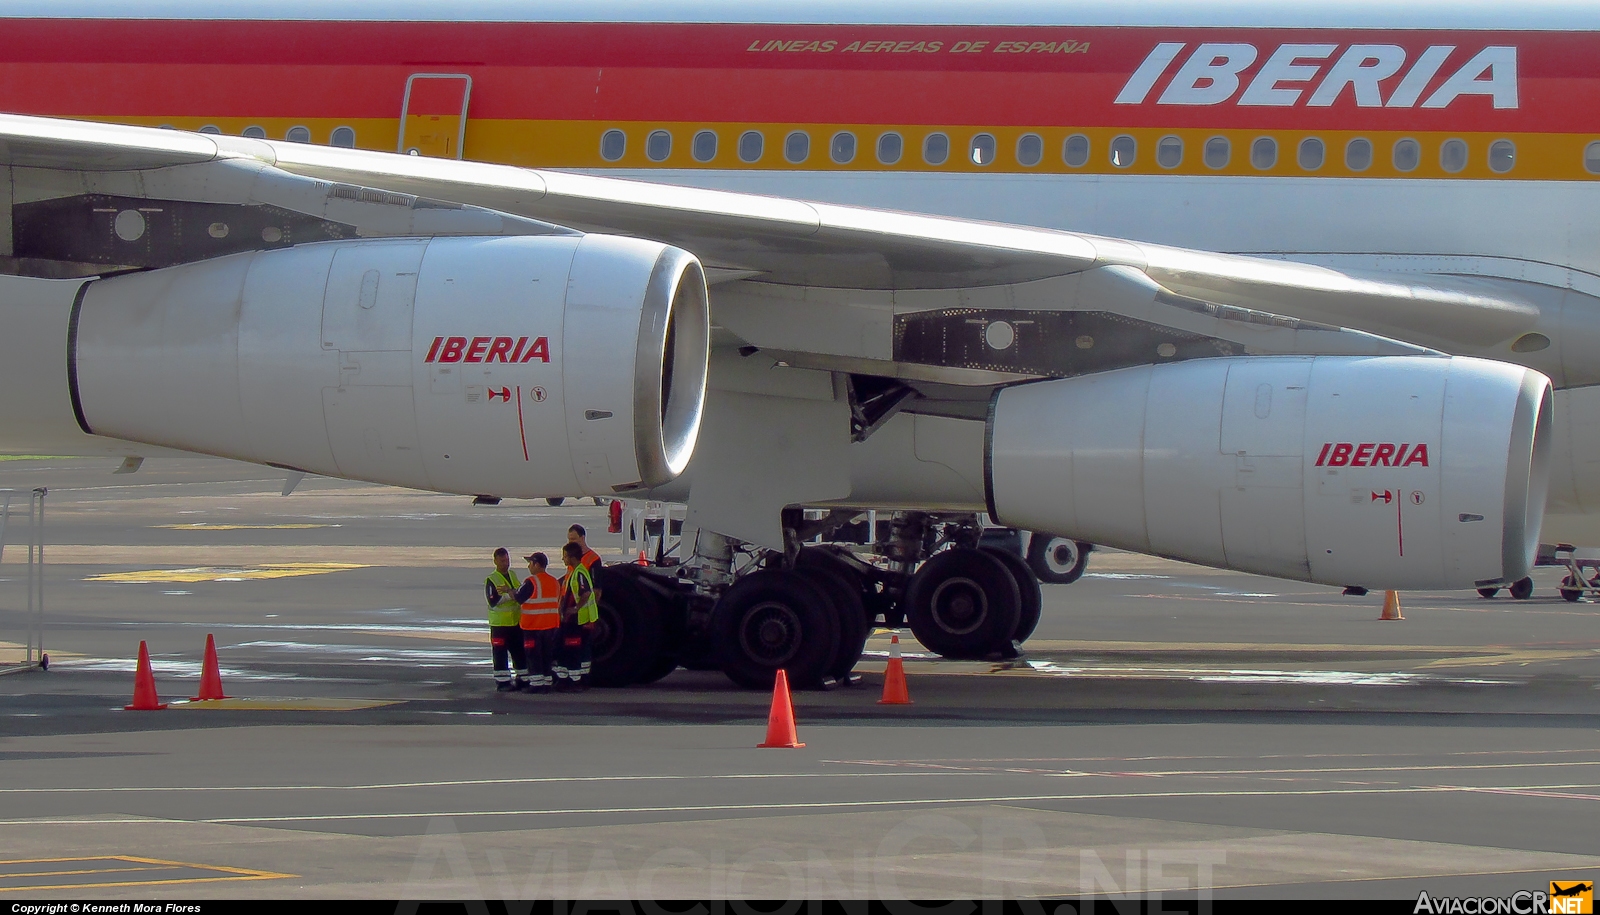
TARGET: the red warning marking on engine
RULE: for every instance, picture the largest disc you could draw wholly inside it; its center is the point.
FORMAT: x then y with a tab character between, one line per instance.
1371	454
504	394
515	350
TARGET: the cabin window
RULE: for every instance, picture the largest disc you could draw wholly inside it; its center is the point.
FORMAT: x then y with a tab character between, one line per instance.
298	135
1169	152
843	148
936	149
1502	156
1264	152
797	146
704	146
1218	152
1358	154
751	143
658	145
211	129
1075	152
1030	149
343	136
613	143
890	148
1453	155
255	133
1124	150
982	149
1311	154
1591	157
1407	154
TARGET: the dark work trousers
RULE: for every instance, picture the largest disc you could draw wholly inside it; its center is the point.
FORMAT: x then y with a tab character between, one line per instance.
573	660
539	646
506	642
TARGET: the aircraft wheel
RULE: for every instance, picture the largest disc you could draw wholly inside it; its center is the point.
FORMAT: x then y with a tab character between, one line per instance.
1522	589
554	501
628	637
1027	587
771	620
963	603
844	588
1488	592
1057	560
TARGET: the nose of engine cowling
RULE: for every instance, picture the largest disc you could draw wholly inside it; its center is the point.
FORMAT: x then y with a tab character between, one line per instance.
674	346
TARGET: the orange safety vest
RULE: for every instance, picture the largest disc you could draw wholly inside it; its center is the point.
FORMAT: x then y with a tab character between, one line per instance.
542	609
590	557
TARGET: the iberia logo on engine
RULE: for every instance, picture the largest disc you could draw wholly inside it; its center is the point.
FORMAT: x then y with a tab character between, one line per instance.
488	349
1371	454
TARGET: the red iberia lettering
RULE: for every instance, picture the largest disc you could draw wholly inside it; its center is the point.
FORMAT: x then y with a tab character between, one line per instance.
452	349
513	350
498	350
540	350
1371	454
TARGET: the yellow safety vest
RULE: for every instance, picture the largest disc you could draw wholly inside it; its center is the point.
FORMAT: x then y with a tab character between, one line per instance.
507	612
589	610
542	608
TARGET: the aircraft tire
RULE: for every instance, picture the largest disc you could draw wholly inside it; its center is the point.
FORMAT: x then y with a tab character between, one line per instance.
844	588
1488	592
1522	588
629	637
775	619
554	501
1032	597
1057	560
963	603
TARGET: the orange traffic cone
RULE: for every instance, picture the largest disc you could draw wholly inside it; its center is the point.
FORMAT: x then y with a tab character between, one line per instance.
780	721
642	560
894	678
210	674
1391	606
144	686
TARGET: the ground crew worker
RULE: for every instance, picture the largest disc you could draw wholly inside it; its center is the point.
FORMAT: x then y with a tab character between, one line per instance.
591	559
540	596
505	621
579	609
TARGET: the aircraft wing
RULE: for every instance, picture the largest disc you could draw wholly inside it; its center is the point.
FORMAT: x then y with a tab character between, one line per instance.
759	239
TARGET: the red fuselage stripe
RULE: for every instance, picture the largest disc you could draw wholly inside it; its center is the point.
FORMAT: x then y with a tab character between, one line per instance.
723	73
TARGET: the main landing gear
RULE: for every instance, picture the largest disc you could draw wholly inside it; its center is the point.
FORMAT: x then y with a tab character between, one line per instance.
809	609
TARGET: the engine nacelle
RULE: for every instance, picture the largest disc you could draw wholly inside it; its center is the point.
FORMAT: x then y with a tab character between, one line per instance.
1395	472
521	366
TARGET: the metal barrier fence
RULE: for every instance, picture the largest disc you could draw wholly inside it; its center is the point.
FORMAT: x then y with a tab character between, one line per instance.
28	652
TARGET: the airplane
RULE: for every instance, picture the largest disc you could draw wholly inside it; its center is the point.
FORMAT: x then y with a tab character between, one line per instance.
1197	280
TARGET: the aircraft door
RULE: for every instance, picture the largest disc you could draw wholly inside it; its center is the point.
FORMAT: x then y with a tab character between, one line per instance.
433	114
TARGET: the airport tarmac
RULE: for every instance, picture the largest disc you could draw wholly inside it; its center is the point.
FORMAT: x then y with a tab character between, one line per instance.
1170	727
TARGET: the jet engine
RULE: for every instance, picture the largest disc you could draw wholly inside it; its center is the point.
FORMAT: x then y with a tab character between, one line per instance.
1395	472
518	366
